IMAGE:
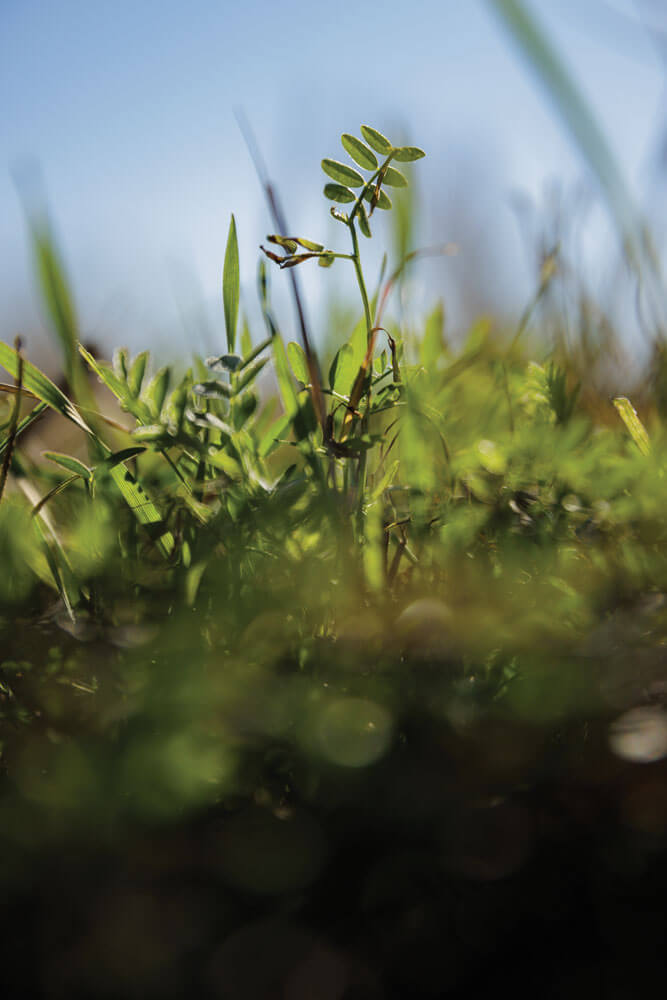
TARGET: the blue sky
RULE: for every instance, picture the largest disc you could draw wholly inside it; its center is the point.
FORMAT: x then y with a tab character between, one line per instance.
127	107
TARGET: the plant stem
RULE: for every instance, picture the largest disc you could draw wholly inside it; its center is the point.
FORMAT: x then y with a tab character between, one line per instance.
361	472
360	280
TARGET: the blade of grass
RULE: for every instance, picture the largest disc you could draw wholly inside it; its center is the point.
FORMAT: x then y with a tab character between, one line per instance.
59	488
635	427
56	557
23	425
116	386
281	227
284	376
132	492
143	508
56	295
42	387
13	424
231	286
534	44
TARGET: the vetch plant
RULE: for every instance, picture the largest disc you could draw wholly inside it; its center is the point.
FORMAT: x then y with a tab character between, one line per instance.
341	189
349	378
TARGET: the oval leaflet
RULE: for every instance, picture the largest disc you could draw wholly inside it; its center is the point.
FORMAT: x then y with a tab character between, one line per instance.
359	151
339	193
379	142
341	173
405	154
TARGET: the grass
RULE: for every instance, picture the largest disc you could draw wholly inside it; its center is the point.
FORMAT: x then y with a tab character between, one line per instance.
473	510
273	596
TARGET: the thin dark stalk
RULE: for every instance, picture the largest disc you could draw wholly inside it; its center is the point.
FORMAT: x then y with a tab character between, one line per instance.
400	549
281	225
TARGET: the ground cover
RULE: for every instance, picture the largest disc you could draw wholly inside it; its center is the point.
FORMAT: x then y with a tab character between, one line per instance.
334	680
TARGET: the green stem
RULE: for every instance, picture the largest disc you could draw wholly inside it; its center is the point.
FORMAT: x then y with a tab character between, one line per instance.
360	280
361	472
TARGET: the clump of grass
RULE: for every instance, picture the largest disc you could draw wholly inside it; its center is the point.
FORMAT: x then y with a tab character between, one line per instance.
422	531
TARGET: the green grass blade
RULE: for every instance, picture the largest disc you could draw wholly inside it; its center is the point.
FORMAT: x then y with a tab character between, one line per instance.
52	550
132	492
254	353
56	558
637	431
60	488
59	304
55	290
284	377
143	508
231	286
124	455
42	387
532	40
115	385
273	435
69	463
23	425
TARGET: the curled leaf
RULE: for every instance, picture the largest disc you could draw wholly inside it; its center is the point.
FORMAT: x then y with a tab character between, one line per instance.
120	360
271	255
224	363
212	390
340	216
297	259
308	244
288	244
363	222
